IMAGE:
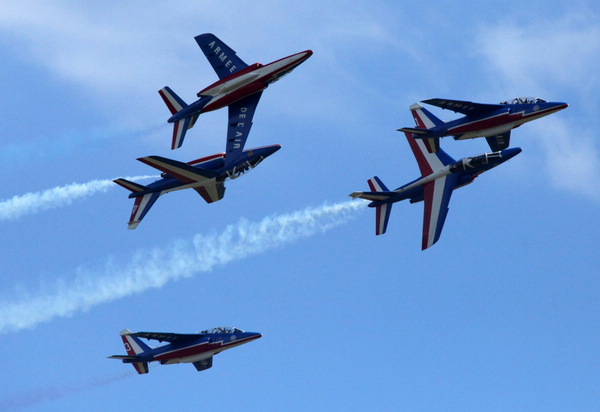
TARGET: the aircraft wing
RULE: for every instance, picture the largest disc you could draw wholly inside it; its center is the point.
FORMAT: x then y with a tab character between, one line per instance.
167	336
179	170
239	124
436	197
211	190
220	56
464	107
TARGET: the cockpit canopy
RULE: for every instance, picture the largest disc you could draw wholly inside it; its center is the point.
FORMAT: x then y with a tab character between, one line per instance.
524	100
223	329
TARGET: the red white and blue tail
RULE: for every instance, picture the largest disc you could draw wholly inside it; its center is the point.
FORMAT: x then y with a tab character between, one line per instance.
142	203
382	212
380	196
135	349
424	121
382	200
175	105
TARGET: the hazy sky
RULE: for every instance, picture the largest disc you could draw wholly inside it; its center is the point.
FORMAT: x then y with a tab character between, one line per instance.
501	314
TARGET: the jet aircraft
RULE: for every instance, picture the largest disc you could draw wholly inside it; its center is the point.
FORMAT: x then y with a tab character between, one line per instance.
206	176
440	176
195	348
237	80
492	121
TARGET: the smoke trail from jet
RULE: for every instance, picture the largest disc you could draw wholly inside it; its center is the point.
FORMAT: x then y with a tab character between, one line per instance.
39	395
35	202
182	259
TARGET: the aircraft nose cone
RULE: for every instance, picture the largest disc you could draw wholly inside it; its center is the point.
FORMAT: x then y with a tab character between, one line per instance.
253	335
559	106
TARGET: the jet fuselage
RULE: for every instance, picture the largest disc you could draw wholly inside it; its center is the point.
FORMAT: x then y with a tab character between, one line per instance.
253	79
205	347
467	169
497	122
248	160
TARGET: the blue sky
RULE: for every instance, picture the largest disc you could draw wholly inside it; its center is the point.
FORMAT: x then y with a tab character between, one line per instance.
501	314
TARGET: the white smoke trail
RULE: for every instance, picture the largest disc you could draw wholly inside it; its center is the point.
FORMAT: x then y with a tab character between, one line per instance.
154	268
59	196
26	400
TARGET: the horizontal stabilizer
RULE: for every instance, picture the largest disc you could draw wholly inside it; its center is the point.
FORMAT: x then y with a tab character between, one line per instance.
179	170
414	130
124	357
132	186
374	196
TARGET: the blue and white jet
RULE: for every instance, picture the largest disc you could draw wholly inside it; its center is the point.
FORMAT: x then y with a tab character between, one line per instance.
492	121
237	80
195	348
440	176
206	176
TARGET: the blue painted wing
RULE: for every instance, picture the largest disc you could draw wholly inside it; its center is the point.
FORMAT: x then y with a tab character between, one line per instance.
464	107
437	195
168	337
238	127
210	189
220	56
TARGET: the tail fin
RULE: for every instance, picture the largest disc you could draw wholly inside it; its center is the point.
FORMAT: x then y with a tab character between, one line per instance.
424	120
131	186
382	212
135	347
142	203
173	102
181	125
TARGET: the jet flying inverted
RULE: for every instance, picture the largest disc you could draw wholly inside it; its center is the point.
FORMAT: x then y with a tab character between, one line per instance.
440	176
237	80
492	121
206	176
195	348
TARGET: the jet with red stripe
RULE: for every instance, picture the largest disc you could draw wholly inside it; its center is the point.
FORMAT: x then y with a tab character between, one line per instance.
195	348
206	176
440	176
237	80
492	121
